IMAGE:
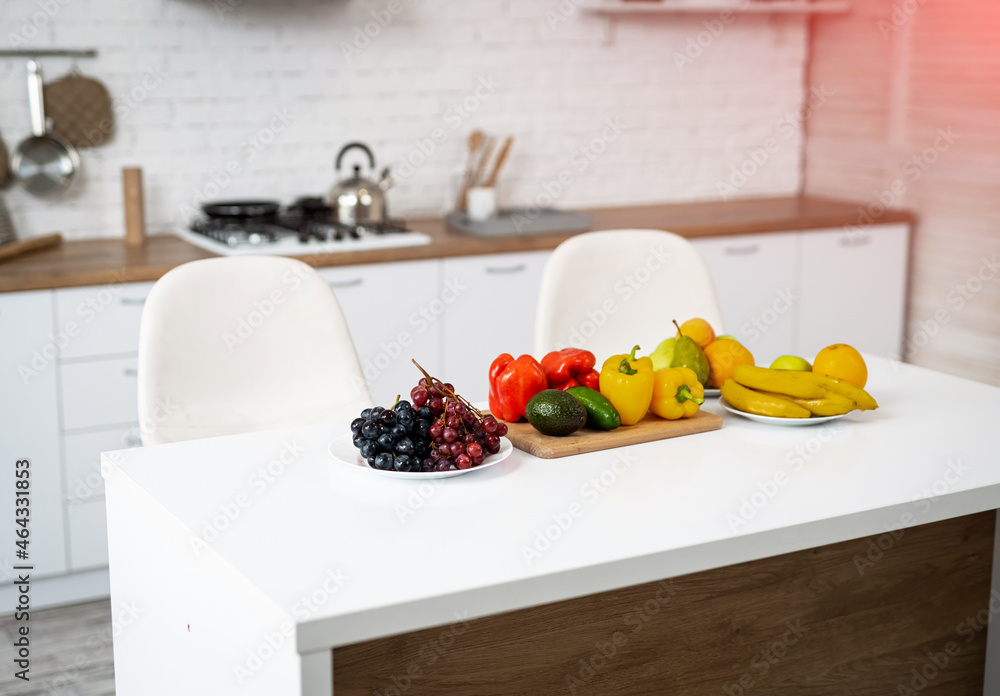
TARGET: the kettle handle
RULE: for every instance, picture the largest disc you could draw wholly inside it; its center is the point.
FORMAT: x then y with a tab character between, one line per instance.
350	146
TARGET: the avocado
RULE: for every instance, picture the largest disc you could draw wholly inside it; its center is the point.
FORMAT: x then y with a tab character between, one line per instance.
554	412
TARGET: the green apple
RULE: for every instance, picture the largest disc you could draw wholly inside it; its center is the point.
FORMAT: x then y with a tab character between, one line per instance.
791	362
726	337
663	355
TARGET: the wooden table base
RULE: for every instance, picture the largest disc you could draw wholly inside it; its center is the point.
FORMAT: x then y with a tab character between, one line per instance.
873	616
879	616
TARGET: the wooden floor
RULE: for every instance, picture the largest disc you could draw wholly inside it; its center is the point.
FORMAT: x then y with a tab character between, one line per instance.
71	653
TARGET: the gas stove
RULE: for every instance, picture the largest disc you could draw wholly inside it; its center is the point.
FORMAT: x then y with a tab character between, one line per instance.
304	228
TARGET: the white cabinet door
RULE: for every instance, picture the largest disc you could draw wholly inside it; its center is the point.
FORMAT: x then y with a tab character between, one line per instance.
82	454
755	278
99	393
100	319
854	289
29	430
88	535
394	312
493	312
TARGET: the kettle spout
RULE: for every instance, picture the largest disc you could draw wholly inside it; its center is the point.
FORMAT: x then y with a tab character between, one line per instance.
385	182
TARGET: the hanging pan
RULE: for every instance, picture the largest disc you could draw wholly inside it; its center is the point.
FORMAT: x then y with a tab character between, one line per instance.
44	164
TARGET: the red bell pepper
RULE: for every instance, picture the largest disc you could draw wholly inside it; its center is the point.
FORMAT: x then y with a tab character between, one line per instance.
512	384
570	367
590	379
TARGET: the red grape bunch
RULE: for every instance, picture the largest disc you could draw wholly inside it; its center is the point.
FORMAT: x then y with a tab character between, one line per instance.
461	437
440	431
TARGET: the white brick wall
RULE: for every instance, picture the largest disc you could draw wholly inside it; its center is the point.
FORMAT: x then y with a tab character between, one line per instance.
224	77
904	72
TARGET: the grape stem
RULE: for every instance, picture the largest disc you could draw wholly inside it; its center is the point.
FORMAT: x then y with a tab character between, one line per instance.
435	382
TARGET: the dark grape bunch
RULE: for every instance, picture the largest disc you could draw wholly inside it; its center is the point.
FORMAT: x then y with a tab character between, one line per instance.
396	439
439	431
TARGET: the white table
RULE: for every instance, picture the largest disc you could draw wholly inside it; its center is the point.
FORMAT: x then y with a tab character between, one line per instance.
286	564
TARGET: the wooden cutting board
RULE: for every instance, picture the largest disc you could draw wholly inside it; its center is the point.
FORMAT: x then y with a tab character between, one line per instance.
525	437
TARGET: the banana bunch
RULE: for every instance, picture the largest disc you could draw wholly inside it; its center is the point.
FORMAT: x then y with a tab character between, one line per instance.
792	394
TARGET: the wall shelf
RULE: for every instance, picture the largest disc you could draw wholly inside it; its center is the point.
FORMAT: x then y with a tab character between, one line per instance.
618	7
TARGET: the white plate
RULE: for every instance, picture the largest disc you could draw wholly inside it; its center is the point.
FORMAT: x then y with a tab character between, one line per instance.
770	420
343	450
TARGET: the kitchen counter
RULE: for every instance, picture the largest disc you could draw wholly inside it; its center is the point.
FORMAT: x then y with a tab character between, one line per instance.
258	564
103	261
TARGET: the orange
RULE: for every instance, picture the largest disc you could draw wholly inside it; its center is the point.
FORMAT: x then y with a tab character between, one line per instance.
841	361
723	357
699	330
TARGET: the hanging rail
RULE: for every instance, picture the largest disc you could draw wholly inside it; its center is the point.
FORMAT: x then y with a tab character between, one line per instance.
49	53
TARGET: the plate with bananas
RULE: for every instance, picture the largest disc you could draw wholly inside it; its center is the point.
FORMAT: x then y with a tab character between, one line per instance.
787	397
772	420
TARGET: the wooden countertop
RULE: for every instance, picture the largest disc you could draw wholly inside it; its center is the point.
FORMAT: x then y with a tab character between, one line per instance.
103	261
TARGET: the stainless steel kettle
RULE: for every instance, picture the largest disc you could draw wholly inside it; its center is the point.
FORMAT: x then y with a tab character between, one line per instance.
356	200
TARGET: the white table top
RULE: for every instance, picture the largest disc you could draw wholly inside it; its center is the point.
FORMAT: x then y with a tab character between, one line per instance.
416	555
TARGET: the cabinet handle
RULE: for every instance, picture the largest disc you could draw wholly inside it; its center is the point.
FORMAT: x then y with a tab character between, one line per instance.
130	372
133	301
345	283
516	268
855	240
746	250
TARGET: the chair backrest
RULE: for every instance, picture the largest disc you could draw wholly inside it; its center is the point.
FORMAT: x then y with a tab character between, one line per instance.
236	344
608	291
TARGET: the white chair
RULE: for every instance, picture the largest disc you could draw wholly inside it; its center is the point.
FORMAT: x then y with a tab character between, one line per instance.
608	291
235	344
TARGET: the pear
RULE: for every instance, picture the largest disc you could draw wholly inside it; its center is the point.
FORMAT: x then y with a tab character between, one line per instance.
688	354
663	355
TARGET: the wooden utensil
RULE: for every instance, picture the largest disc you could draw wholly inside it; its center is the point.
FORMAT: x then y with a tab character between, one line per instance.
526	438
135	217
484	161
501	158
9	251
476	140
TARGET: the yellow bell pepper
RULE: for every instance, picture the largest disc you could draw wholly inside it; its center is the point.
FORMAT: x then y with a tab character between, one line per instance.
627	382
677	393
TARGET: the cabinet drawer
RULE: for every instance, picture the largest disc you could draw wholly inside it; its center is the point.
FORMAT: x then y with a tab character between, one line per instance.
388	333
82	454
100	319
99	393
88	535
755	278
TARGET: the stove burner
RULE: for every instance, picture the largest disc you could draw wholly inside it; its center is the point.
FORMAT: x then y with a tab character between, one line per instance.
312	218
259	223
237	231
